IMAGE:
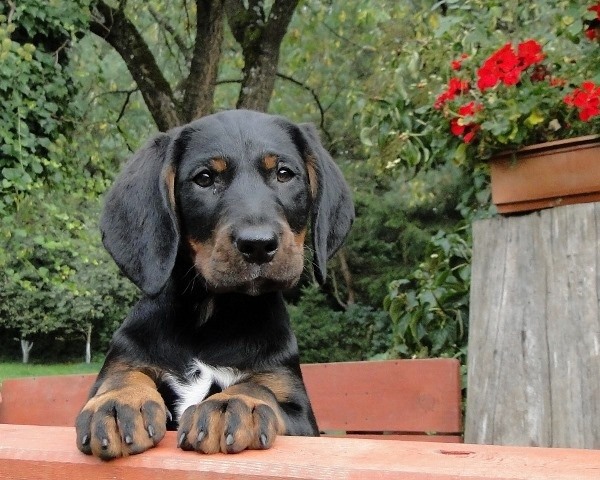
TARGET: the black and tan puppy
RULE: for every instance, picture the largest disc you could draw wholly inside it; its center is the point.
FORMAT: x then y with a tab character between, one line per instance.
209	221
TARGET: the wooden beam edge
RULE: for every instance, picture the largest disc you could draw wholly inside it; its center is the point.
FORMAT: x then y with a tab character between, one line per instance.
49	452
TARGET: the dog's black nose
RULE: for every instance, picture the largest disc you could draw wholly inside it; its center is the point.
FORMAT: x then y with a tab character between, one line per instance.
257	245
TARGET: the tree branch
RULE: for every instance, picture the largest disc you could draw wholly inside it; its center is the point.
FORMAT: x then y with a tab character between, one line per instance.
113	26
185	49
11	12
315	98
128	94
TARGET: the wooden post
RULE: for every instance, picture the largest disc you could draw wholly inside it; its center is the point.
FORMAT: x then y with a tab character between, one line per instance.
534	339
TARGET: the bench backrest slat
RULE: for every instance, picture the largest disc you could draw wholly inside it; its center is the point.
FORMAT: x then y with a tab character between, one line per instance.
48	401
408	396
412	399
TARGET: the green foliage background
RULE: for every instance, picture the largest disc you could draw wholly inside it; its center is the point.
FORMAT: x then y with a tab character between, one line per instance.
365	71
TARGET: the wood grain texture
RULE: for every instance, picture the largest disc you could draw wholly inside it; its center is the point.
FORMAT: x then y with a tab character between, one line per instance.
30	453
534	339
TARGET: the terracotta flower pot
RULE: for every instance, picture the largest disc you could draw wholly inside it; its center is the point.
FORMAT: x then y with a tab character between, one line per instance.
547	175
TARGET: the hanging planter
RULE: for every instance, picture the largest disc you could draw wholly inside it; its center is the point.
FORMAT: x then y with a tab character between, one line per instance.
547	175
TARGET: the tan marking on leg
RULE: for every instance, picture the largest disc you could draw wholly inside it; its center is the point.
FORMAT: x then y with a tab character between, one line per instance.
280	384
126	416
118	380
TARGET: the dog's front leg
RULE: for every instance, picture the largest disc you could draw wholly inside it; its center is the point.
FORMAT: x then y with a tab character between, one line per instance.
125	416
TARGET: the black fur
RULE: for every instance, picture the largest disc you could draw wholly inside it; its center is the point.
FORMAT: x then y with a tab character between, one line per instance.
235	316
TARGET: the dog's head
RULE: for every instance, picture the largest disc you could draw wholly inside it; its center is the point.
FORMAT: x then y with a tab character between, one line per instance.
236	192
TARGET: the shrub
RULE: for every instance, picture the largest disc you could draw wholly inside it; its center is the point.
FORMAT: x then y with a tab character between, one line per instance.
429	308
55	277
327	335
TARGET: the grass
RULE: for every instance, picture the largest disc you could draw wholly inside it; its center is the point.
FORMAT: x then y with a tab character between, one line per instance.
14	369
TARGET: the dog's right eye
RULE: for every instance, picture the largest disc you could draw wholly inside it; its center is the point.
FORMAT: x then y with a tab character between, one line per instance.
204	179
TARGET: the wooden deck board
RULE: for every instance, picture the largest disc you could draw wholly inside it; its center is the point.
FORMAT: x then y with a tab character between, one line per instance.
30	452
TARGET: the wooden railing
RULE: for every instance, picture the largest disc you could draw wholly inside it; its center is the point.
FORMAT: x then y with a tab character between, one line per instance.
33	452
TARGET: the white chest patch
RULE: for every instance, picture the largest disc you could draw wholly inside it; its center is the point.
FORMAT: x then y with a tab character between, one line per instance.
198	382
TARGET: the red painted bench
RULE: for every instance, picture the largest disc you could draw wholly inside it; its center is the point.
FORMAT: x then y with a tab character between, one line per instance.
395	399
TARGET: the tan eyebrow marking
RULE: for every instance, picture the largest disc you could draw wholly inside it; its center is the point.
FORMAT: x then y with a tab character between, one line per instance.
269	162
218	164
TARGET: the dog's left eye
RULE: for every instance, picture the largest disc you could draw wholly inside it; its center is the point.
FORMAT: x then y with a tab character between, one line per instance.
284	174
204	179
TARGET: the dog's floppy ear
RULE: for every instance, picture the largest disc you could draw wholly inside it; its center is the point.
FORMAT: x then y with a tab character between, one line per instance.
139	223
333	210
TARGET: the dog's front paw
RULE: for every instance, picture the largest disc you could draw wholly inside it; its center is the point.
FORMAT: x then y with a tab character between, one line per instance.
121	422
229	424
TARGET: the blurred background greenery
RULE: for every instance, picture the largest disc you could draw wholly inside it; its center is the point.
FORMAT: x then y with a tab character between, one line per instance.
365	71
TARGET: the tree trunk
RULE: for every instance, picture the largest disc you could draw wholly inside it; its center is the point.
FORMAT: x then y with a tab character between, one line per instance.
26	347
112	25
88	344
534	330
204	68
260	36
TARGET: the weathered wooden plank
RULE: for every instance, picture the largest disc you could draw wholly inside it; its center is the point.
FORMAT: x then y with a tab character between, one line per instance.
31	453
534	348
396	395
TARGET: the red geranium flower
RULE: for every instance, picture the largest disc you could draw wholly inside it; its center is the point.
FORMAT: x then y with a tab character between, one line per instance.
496	68
592	32
458	126
456	86
457	64
530	52
505	65
470	135
586	99
470	108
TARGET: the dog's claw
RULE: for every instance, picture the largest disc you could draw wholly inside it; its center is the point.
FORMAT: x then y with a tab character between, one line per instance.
181	439
229	439
150	431
263	439
85	441
104	443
